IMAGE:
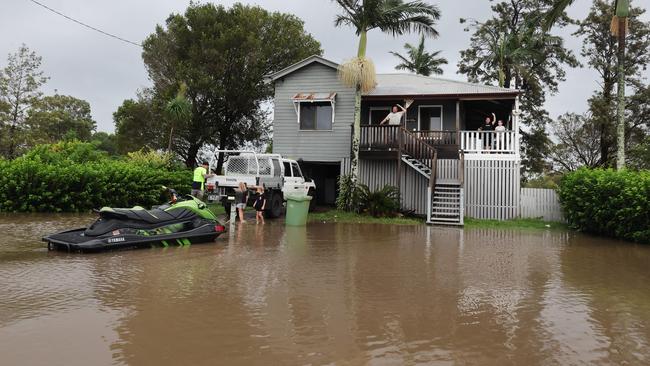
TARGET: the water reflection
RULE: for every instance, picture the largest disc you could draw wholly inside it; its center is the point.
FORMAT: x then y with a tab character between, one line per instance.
344	294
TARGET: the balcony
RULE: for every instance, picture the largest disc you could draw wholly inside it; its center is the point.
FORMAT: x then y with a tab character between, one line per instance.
382	139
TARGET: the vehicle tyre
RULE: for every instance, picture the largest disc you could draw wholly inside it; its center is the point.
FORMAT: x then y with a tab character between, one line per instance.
275	206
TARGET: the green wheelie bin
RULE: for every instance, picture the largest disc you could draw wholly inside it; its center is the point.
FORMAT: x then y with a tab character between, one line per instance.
297	210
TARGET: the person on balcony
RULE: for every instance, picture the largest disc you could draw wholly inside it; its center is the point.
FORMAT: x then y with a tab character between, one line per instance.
394	118
488	127
499	135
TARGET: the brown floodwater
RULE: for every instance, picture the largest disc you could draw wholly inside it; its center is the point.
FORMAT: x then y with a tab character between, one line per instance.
326	294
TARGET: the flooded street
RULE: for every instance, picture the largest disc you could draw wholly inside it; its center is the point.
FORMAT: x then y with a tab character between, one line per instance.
339	294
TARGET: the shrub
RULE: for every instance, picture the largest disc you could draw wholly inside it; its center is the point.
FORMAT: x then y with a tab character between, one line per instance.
70	151
151	158
380	203
74	177
608	202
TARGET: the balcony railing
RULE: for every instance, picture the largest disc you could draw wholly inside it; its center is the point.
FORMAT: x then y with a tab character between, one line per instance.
377	137
488	142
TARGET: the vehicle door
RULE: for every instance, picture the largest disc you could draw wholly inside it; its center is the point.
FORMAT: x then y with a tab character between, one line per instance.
293	181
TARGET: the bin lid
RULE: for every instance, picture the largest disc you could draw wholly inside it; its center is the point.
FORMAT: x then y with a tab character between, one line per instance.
297	197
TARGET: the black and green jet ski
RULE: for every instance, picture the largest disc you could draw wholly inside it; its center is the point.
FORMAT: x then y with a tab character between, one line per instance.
179	222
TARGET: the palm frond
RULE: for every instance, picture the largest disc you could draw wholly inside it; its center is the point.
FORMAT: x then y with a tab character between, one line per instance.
397	17
555	13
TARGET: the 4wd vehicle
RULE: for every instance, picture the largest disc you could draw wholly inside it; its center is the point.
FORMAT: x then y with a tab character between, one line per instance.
277	175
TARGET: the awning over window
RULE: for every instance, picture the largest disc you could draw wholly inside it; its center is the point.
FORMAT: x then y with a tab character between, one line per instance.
312	98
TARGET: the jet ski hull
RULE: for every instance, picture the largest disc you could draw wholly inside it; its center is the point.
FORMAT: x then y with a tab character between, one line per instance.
76	241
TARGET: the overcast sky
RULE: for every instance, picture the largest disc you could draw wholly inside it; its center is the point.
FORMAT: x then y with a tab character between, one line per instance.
105	71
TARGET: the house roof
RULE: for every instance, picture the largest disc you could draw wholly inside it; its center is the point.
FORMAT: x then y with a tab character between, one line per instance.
413	85
401	84
300	64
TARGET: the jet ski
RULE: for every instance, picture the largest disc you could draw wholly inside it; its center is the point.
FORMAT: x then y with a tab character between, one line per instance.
179	222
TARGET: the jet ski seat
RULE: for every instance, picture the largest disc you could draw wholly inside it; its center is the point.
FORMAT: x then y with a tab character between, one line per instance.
147	216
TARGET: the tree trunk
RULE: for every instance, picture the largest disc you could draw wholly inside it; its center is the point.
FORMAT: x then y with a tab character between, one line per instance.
192	152
356	134
171	133
221	156
356	130
620	110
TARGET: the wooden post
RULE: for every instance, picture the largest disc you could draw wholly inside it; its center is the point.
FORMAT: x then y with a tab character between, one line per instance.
458	122
400	147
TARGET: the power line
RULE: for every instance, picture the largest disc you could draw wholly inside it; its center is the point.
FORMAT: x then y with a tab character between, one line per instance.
86	25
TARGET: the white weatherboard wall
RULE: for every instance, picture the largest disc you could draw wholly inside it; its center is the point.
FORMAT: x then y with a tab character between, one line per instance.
492	189
540	202
316	146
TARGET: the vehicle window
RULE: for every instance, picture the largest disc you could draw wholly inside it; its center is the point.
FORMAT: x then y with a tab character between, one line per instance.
287	169
296	170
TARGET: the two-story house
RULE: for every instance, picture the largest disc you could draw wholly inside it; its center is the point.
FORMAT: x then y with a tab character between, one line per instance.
445	162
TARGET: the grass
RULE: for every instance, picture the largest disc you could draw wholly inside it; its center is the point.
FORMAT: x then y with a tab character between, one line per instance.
349	217
514	224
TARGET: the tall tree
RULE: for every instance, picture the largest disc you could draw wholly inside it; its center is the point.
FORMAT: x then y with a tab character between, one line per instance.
223	55
395	17
512	50
578	142
600	49
618	27
140	123
419	61
51	118
20	86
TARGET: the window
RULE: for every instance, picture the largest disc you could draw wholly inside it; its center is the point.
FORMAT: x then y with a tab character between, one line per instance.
296	170
430	117
377	114
287	169
316	116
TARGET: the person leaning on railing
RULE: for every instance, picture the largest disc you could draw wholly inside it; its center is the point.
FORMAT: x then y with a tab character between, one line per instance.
394	118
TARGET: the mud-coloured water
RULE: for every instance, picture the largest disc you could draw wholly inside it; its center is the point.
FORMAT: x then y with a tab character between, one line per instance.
326	294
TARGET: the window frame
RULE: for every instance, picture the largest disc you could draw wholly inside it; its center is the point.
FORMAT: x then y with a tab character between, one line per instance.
315	121
314	97
373	109
442	122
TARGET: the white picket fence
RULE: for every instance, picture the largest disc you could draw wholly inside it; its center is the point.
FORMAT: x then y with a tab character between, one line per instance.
540	202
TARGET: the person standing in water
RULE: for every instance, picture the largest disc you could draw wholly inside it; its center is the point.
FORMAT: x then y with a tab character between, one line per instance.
198	180
241	198
259	204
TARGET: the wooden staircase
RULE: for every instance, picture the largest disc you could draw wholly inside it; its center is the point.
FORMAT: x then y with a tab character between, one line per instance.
445	198
447	204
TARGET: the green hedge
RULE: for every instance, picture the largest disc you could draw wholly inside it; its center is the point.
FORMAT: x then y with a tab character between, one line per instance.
58	178
608	202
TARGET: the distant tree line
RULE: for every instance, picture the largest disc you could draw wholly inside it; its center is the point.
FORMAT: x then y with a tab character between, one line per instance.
29	118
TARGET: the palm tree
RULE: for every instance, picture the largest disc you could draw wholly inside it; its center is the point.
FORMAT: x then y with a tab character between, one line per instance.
390	16
179	110
419	61
618	28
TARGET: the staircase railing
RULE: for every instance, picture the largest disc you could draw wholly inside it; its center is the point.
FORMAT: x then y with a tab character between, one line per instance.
412	145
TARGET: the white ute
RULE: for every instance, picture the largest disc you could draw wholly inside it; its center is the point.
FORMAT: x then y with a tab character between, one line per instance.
277	175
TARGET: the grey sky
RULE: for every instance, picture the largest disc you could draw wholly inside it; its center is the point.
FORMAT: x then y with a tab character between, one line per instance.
105	71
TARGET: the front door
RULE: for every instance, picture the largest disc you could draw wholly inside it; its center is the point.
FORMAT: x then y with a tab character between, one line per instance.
430	118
